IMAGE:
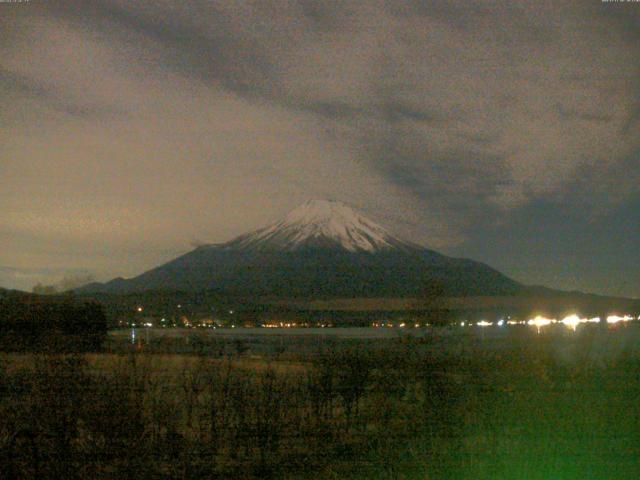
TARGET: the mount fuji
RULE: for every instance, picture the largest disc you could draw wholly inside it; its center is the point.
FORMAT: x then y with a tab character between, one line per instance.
322	249
321	224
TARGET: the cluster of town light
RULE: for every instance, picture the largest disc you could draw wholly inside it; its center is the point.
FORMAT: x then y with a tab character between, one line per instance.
571	321
401	325
291	325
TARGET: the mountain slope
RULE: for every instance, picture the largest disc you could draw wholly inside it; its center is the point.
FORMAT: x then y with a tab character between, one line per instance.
320	250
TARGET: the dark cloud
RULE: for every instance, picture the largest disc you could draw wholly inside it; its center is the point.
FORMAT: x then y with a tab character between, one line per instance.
13	84
177	37
326	16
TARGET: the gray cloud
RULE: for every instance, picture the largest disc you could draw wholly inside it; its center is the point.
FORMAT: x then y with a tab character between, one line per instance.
138	126
60	280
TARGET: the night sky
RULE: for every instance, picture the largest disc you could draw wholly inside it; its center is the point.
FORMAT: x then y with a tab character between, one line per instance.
507	132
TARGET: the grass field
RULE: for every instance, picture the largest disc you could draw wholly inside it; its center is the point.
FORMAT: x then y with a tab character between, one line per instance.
553	405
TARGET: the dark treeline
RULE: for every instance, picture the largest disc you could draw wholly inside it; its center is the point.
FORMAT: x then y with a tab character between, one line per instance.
50	323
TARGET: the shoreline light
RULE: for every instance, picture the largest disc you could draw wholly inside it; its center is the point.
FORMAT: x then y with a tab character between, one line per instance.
616	318
572	321
540	321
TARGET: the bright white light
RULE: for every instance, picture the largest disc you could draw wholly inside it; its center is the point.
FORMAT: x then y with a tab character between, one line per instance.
139	309
572	321
500	322
616	318
594	320
484	323
462	324
540	321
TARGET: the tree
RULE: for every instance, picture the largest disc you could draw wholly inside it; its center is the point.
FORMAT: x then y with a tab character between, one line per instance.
51	323
432	304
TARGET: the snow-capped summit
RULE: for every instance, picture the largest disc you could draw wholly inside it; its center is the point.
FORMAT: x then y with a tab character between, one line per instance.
321	224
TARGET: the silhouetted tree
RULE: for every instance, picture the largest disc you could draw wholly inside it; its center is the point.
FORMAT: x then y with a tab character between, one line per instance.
51	323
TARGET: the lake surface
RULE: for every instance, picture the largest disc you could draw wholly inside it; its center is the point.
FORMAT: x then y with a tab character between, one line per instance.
596	341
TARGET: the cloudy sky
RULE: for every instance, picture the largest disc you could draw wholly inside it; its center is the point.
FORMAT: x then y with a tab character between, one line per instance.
508	132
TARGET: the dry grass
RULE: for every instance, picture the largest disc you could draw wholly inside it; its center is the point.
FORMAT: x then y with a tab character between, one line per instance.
527	410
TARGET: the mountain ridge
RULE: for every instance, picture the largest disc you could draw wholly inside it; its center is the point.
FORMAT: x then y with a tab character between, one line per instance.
321	249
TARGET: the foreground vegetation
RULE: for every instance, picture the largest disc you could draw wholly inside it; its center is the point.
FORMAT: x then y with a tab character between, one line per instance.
393	411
